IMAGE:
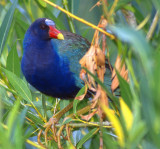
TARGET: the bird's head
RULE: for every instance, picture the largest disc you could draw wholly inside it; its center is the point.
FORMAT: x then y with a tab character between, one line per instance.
45	29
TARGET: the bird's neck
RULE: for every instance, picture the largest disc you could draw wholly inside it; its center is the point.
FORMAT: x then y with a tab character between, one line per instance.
33	45
39	53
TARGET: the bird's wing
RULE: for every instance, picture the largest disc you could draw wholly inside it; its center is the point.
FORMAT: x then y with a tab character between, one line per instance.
72	49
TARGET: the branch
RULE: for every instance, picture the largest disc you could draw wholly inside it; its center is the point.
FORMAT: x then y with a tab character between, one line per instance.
80	19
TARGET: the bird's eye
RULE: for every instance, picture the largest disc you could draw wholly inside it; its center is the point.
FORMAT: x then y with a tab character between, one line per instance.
43	26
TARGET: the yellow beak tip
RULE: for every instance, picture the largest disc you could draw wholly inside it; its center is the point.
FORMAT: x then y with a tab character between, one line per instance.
60	36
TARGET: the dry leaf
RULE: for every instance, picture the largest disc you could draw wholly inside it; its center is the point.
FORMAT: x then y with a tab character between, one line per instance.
88	61
117	66
81	97
89	116
122	71
94	61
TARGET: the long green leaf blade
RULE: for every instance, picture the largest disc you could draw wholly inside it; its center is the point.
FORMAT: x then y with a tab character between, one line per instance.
12	116
13	63
4	29
87	137
19	85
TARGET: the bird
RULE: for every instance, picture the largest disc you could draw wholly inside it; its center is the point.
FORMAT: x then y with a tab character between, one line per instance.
50	61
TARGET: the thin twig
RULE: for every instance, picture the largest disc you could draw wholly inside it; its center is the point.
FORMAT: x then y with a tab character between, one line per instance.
91	124
80	19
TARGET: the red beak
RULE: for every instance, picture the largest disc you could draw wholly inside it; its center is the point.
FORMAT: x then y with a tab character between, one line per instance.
54	33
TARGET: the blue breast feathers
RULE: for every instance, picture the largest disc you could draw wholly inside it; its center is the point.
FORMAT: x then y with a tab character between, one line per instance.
53	66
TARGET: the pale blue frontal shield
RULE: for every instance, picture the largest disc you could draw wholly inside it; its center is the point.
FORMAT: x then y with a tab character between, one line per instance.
49	22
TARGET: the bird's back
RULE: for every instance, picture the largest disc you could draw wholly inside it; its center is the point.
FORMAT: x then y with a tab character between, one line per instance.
72	49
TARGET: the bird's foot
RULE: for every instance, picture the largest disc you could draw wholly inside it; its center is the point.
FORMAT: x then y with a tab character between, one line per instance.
50	125
68	133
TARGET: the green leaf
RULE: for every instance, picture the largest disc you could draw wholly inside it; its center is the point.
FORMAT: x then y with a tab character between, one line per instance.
127	114
87	137
13	63
35	119
116	124
125	90
19	85
108	140
5	143
20	27
42	3
18	136
137	133
120	4
12	117
4	97
75	102
140	46
44	105
4	29
49	14
156	4
23	24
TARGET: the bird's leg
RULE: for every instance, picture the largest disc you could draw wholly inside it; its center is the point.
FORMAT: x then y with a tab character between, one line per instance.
54	129
79	112
38	138
51	123
59	136
68	131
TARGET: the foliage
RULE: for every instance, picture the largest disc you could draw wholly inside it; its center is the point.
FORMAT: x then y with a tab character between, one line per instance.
134	114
